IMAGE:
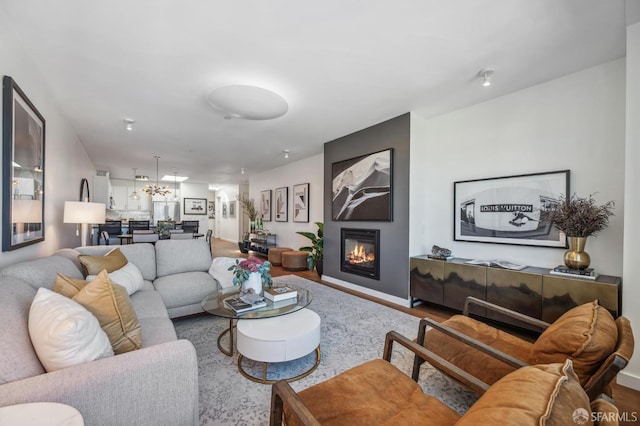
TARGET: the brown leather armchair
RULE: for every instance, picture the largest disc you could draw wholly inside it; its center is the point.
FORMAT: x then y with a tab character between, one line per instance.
598	345
377	393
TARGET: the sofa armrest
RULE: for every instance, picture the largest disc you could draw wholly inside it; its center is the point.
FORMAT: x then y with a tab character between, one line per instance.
157	385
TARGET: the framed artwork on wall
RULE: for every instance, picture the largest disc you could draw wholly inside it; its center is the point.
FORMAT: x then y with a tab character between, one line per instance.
282	204
23	140
212	209
265	205
232	209
510	209
301	202
195	206
224	209
362	188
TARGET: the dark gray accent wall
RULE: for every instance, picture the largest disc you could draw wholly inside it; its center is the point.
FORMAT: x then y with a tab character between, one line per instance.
394	236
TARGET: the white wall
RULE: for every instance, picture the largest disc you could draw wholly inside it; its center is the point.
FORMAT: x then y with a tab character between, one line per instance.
631	375
195	190
309	171
575	122
66	160
229	228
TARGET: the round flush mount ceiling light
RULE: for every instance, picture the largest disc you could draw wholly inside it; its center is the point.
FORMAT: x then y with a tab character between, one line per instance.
248	102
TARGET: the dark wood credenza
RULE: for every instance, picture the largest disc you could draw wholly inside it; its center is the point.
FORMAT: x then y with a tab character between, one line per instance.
532	291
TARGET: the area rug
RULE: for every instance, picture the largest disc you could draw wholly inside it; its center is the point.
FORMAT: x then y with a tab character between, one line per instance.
353	331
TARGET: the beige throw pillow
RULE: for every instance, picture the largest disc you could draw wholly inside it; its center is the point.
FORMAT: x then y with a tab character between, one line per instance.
110	303
112	261
68	287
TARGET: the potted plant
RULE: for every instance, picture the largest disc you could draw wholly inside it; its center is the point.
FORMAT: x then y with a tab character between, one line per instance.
251	274
580	218
164	226
249	208
315	249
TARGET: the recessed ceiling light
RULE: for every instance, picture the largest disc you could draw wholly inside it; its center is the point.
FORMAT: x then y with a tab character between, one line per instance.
248	102
286	153
128	124
172	178
486	77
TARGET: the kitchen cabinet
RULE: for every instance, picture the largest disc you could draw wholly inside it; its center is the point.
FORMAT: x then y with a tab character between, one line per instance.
144	202
120	198
101	190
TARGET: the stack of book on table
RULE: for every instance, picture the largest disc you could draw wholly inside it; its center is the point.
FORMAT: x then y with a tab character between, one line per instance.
276	294
243	304
563	270
439	257
496	264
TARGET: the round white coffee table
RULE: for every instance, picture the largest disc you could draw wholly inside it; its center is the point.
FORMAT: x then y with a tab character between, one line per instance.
40	413
279	339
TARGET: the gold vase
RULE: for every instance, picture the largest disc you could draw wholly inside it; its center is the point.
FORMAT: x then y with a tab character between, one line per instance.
576	257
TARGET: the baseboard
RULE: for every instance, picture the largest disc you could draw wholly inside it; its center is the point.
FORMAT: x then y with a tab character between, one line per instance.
375	293
228	240
628	380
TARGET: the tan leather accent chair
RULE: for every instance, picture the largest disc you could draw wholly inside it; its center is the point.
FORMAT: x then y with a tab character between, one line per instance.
377	393
598	345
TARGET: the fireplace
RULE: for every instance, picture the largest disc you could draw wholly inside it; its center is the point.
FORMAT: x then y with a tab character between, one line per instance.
360	253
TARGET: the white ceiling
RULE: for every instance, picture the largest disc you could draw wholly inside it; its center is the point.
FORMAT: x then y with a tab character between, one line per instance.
342	65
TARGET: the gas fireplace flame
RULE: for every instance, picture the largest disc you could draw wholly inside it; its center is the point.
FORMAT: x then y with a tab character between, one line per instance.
359	255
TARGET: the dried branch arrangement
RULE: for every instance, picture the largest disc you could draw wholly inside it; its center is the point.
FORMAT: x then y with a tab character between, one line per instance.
581	217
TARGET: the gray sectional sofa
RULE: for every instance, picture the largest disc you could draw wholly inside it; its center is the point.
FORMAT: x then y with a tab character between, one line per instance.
155	385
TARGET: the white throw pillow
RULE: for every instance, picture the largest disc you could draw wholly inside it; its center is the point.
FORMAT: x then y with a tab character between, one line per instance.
129	277
64	333
219	270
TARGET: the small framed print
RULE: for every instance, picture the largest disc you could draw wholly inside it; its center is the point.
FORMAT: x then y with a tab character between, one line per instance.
232	209
195	206
301	202
224	209
282	204
265	205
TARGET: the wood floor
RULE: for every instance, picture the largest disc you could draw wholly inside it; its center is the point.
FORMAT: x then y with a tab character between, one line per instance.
627	400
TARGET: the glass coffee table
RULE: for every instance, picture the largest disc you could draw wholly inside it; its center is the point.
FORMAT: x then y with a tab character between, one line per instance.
214	304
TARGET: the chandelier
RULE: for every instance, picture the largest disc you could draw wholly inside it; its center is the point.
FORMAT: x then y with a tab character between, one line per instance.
156	189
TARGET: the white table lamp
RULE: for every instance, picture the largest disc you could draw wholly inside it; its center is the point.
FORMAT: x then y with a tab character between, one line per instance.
85	214
23	212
